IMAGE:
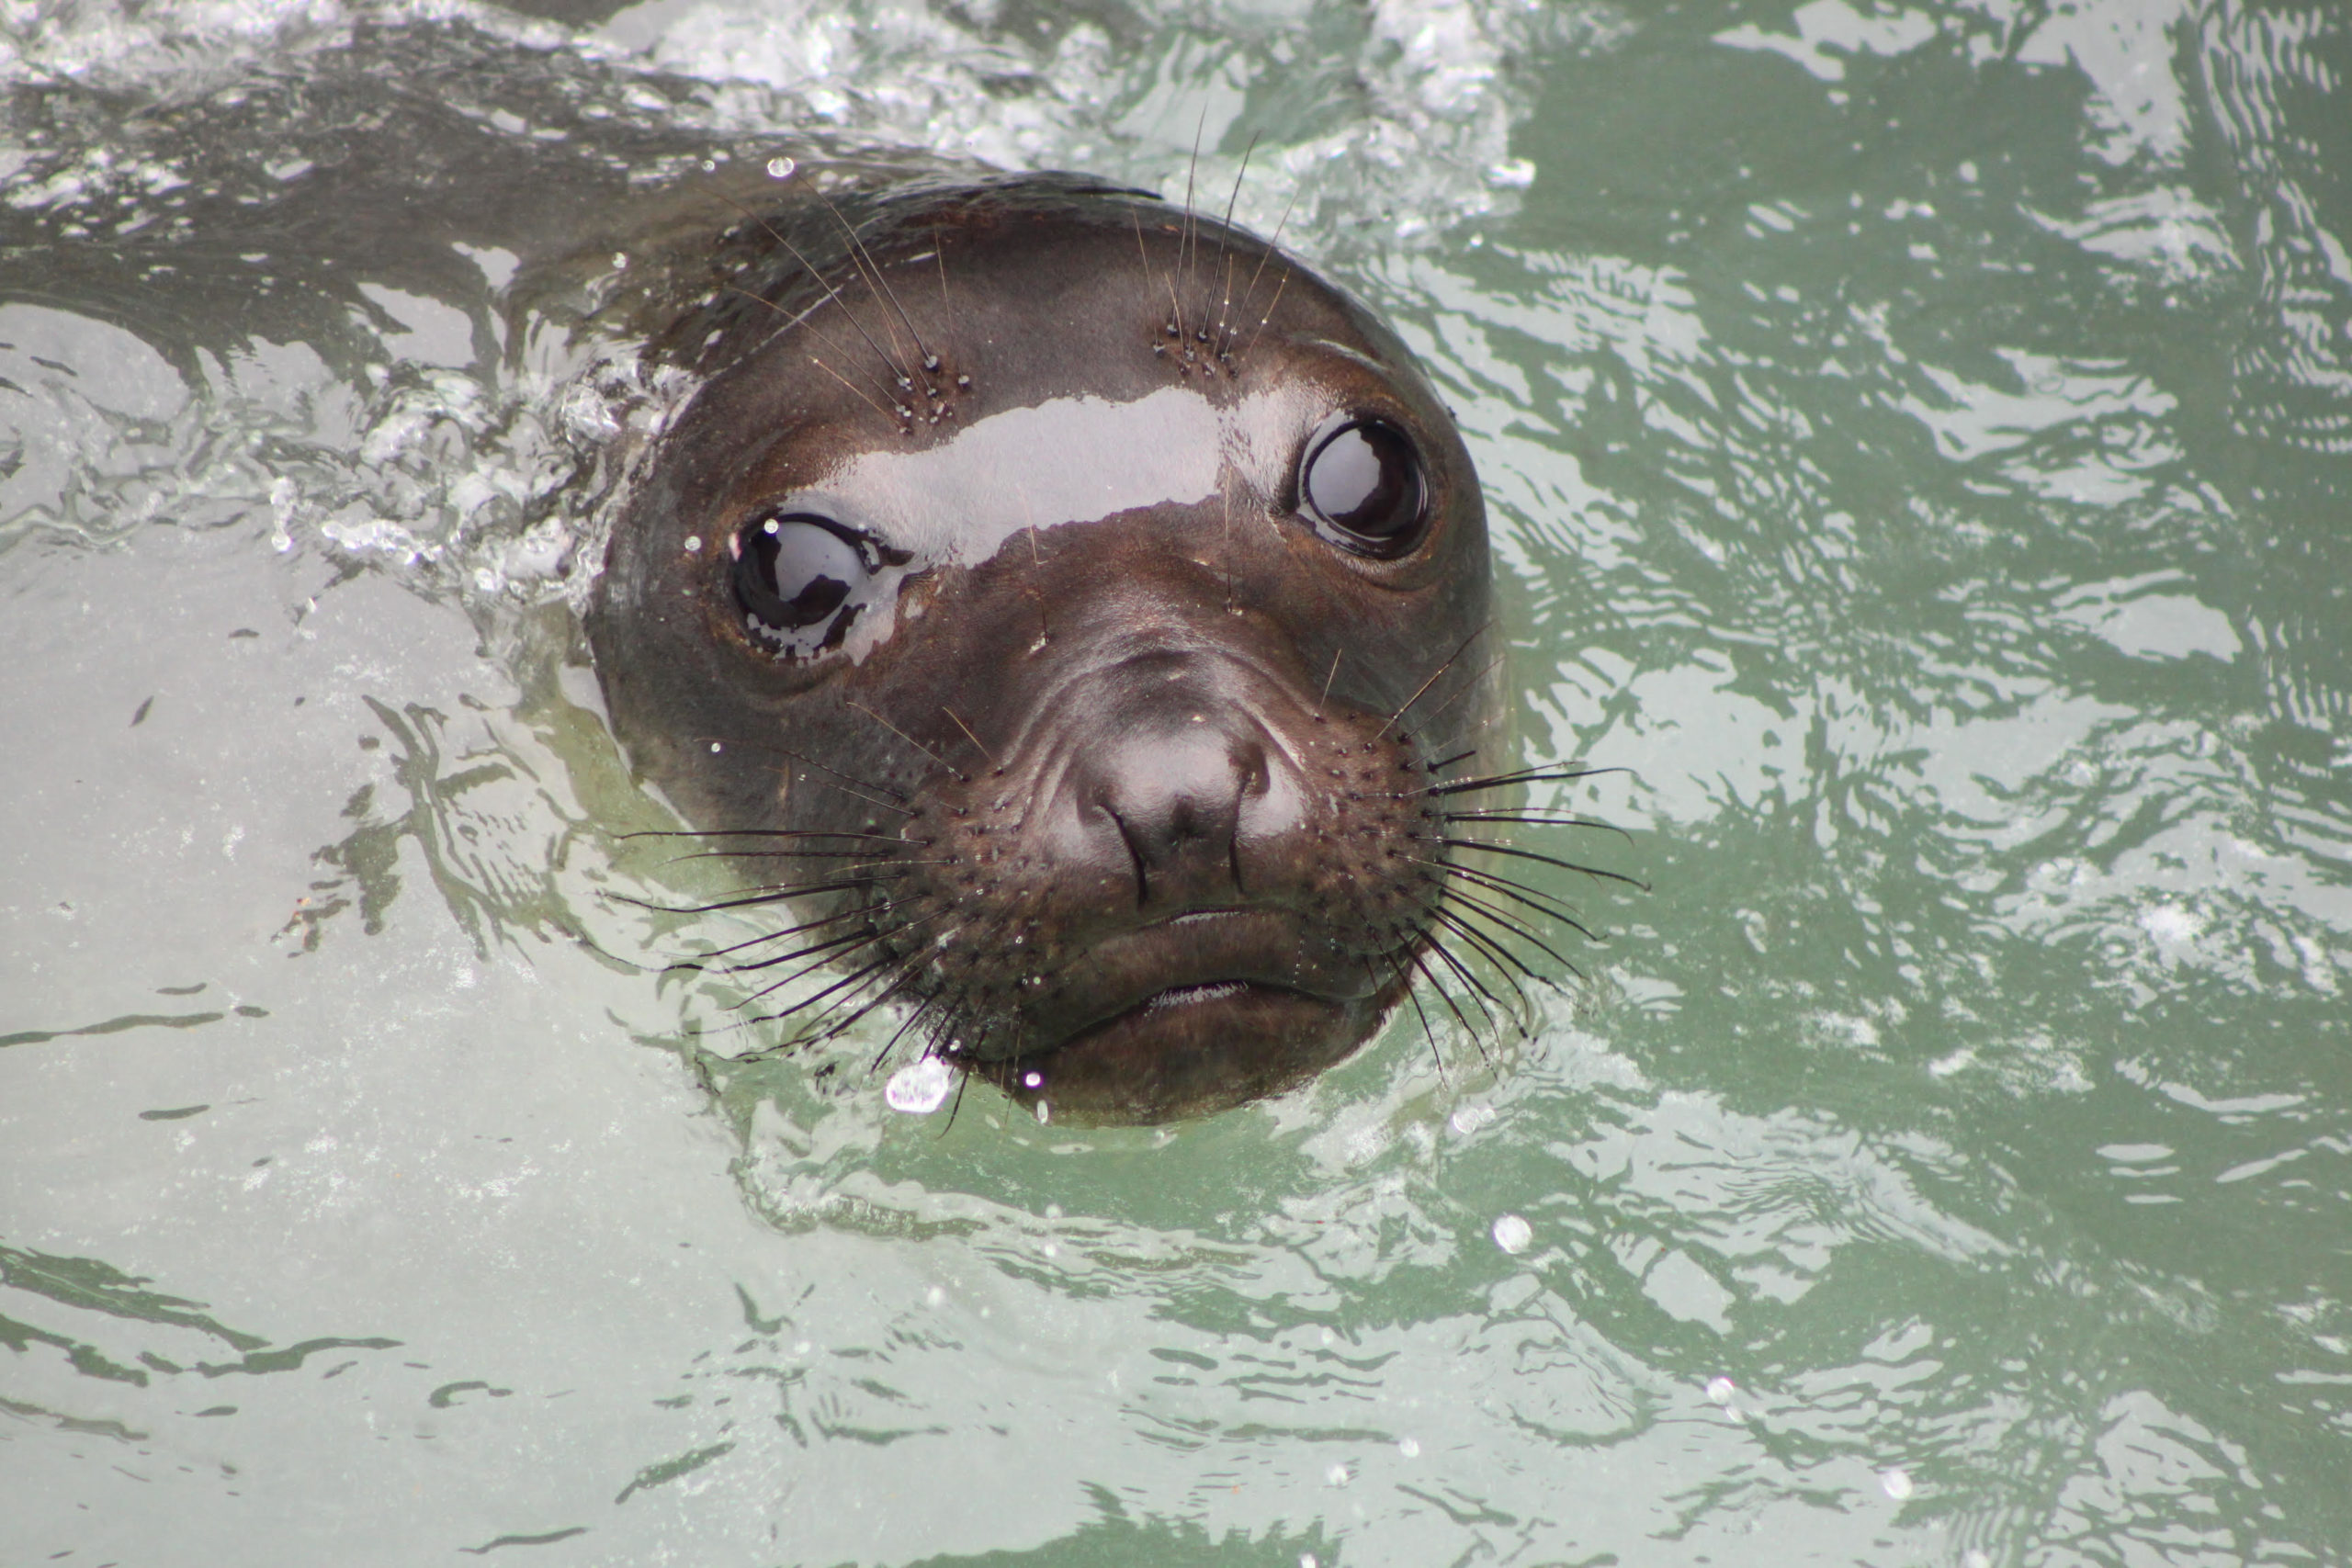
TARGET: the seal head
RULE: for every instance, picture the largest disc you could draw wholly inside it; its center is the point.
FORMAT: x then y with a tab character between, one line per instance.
1061	600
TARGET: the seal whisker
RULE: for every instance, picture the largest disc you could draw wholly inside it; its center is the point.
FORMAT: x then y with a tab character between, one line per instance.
1272	248
1496	950
895	410
1421	690
846	980
958	773
1479	994
1188	250
865	935
752	833
1518	892
940	1038
1467	687
915	1014
1334	675
1176	318
831	293
779	854
963	1082
1495	916
909	967
872	931
1428	1033
1534	817
802	318
1592	870
848	785
871	935
947	304
912	963
1143	257
834	918
1455	962
1515	924
1543	774
1221	345
1436	977
1444	762
765	895
1264	320
871	270
1488	913
972	738
1224	249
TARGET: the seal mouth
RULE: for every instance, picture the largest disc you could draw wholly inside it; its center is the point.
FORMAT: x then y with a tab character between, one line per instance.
1189	996
1231	960
1192	1048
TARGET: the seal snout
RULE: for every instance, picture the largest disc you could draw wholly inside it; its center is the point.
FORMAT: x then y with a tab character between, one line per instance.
1183	785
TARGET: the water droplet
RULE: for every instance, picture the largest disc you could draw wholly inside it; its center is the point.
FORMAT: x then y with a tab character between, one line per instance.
1896	1482
1512	1234
1409	1447
920	1087
1721	1389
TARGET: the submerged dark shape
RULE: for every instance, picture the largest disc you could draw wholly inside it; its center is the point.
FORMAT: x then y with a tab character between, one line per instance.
1068	607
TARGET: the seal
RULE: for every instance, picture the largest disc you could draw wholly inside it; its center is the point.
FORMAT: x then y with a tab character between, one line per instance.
1065	605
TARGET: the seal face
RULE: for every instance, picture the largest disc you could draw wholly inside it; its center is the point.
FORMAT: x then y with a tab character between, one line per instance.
1062	601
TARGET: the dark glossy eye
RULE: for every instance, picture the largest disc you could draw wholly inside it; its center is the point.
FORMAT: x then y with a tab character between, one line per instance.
1362	487
793	576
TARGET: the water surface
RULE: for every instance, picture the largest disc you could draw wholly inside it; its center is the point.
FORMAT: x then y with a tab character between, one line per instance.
1920	445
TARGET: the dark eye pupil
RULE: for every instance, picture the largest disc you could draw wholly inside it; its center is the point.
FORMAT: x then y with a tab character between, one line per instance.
1365	480
794	574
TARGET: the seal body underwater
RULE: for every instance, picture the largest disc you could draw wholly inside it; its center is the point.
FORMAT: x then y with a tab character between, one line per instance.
1064	606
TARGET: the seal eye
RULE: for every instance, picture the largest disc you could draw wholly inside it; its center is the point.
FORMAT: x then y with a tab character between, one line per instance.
793	575
1362	489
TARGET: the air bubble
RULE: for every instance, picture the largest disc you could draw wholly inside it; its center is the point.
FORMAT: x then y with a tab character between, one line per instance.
1469	1119
781	168
919	1088
1512	1234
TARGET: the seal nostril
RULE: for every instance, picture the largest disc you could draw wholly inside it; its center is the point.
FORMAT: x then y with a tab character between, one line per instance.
1175	791
1136	852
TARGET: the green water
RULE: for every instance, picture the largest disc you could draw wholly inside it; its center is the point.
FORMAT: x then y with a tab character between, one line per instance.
1920	440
